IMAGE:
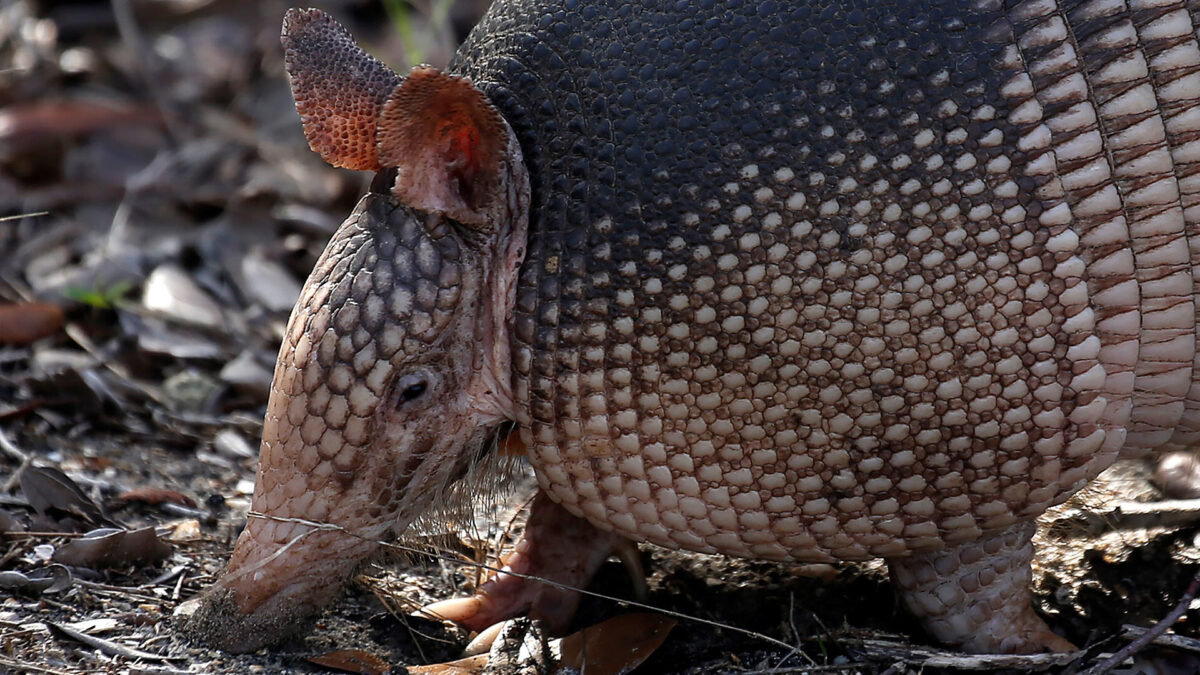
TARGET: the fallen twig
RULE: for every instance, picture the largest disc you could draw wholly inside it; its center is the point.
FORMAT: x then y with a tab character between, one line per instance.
925	657
1137	516
107	646
12	450
1181	642
21	216
849	666
1145	639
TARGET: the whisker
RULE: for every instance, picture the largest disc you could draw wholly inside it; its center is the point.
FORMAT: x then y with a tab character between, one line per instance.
530	577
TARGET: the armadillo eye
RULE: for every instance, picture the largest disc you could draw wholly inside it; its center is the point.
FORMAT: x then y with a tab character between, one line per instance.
413	391
410	388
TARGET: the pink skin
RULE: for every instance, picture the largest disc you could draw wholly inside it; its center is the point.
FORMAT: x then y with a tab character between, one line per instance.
556	546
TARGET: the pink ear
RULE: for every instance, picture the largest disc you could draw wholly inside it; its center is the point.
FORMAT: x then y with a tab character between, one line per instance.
447	142
339	88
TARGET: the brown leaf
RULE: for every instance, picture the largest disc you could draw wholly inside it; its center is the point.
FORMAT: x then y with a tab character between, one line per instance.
156	496
353	661
9	522
36	122
472	665
109	548
24	322
616	646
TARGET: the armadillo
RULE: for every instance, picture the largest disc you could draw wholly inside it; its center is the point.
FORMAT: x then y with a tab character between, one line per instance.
801	281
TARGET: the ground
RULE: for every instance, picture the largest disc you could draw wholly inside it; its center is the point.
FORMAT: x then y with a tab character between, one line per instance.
159	210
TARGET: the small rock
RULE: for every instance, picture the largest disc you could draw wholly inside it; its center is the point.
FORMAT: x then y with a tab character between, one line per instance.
230	443
187	530
43	552
191	391
215	459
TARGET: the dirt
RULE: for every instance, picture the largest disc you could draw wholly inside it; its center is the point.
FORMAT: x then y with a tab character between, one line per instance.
157	195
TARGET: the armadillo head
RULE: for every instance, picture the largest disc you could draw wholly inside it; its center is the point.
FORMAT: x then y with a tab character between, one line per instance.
393	377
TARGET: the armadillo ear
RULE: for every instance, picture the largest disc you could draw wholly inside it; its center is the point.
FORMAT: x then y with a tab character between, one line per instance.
447	142
339	88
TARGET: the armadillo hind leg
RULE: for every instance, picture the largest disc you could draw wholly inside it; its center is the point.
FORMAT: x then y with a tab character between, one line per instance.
975	595
556	546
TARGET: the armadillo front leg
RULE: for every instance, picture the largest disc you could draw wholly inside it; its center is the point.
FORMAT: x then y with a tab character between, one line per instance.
975	595
555	546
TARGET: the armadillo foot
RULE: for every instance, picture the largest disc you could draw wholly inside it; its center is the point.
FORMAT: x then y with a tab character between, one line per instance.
976	596
556	546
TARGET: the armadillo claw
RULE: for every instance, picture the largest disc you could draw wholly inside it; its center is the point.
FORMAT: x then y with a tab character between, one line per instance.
483	641
506	596
556	557
454	610
629	555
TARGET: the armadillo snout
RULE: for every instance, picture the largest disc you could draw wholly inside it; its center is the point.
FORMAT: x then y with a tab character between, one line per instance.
262	599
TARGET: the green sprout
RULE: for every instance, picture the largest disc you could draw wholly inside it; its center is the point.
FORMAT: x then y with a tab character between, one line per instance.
100	297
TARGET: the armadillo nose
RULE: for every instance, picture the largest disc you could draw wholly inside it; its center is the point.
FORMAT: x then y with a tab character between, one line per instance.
280	576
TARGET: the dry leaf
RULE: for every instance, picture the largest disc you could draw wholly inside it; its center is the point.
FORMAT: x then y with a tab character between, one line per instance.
472	665
353	661
615	646
51	492
94	626
9	522
114	548
39	122
155	496
25	322
50	579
